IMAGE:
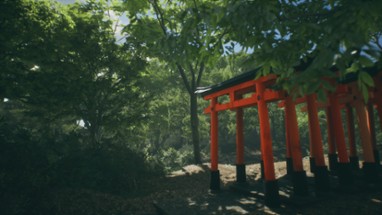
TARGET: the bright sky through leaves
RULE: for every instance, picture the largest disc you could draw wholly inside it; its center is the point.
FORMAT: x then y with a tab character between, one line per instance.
123	20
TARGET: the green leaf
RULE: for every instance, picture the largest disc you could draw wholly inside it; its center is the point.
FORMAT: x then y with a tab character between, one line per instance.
266	69
365	92
366	62
366	78
286	86
321	95
313	86
354	68
326	85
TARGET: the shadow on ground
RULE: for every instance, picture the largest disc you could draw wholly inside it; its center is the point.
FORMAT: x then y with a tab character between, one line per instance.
248	198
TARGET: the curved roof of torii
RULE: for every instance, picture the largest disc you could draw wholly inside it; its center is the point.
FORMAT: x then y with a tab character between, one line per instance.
204	91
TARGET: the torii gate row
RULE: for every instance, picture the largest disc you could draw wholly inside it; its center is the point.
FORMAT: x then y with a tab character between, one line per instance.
262	93
346	97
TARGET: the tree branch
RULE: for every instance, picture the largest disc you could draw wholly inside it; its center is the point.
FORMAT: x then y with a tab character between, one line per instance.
184	78
191	70
200	73
159	16
198	17
117	23
219	39
193	87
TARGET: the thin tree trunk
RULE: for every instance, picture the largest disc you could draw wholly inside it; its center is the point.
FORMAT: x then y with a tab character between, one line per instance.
195	127
191	87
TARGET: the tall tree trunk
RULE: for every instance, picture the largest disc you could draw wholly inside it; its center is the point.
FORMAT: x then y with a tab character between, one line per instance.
195	127
191	87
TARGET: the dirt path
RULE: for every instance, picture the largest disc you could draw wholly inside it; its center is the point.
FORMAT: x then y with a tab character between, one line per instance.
186	192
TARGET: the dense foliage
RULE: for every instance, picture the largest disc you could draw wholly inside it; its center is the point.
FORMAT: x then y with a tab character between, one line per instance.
301	41
179	34
69	103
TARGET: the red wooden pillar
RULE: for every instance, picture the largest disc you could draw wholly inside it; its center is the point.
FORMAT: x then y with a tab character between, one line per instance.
353	157
272	197
240	165
215	175
364	131
338	129
298	175
321	171
370	114
332	155
288	154
343	168
315	131
369	165
293	134
312	161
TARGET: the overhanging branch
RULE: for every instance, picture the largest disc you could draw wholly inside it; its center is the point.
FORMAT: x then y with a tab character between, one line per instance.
200	73
159	16
184	78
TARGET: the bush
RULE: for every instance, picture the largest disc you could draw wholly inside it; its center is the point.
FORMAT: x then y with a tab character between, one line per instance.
174	159
115	169
23	165
32	164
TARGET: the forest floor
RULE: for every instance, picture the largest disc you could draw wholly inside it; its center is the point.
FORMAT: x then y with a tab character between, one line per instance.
186	192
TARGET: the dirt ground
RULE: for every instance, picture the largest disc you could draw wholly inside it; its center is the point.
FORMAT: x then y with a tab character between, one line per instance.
187	192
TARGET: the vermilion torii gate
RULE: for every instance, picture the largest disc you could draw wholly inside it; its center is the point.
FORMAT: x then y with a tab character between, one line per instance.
262	91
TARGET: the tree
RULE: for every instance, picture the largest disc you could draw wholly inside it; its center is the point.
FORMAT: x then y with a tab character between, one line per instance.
61	65
26	40
179	33
65	65
106	95
167	128
314	35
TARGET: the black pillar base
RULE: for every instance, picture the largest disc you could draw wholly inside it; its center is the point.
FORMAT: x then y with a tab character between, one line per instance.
215	180
345	176
312	163
300	185
370	171
241	176
289	165
321	178
377	158
333	162
272	197
262	169
354	162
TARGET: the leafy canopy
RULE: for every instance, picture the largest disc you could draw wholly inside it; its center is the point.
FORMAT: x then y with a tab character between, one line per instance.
314	35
